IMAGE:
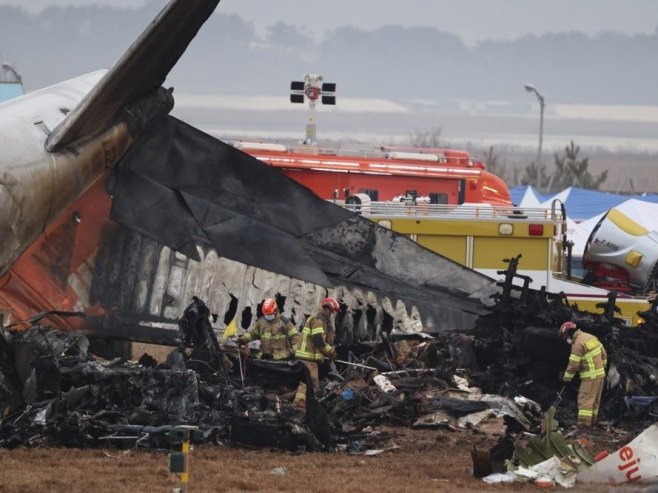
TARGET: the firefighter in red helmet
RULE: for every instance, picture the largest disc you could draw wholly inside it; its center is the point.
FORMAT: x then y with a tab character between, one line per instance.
588	359
315	345
276	333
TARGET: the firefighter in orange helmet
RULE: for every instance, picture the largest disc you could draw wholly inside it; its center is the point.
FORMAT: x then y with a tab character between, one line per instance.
588	359
315	345
276	333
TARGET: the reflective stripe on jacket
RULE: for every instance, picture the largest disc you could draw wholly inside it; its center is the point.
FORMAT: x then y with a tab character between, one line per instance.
277	337
588	357
306	349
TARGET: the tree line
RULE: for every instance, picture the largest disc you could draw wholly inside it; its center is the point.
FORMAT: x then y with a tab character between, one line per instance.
229	56
569	168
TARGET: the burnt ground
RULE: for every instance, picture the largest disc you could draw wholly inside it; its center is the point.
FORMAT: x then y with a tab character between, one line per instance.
427	460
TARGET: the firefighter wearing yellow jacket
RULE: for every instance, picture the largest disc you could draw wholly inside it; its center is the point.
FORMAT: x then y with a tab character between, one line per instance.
276	333
588	358
315	345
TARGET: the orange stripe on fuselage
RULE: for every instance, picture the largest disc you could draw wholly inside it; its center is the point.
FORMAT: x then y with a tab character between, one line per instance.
38	280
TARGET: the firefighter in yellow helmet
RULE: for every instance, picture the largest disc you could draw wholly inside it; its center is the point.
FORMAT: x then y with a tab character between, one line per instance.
588	359
276	333
314	346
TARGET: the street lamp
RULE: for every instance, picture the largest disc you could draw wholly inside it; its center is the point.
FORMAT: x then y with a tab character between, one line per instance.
540	98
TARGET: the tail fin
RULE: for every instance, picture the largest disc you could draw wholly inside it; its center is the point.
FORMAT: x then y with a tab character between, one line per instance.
139	72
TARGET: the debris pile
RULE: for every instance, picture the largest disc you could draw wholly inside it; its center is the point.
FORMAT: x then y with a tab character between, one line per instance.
518	351
545	459
548	460
495	381
56	392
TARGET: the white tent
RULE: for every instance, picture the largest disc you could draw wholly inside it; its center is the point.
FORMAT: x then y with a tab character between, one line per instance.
579	235
529	198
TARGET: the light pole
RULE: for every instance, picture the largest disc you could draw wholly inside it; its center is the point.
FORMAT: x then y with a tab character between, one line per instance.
313	88
540	98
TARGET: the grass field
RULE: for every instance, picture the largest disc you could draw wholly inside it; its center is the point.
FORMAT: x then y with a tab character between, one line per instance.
427	461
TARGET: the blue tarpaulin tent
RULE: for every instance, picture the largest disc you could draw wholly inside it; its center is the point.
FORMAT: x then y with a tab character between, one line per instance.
526	196
581	204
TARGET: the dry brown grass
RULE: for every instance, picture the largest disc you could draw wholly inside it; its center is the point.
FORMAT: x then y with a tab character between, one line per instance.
437	461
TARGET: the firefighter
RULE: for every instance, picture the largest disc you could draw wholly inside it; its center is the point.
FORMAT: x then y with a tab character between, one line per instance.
315	345
588	358
276	333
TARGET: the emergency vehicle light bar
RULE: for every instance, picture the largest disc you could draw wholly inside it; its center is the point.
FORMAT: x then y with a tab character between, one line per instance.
418	156
260	146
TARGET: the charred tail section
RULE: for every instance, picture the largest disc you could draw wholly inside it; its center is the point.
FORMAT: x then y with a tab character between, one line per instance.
183	189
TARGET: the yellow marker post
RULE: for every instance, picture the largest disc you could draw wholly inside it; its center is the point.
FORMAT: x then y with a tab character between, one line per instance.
185	475
179	462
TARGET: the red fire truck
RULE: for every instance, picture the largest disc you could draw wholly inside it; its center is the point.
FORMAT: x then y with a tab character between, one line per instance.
438	176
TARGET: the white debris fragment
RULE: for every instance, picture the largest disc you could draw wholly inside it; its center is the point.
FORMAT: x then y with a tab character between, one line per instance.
474	419
525	473
497	477
462	384
636	462
40	417
436	419
546	473
525	403
554	470
371	452
384	384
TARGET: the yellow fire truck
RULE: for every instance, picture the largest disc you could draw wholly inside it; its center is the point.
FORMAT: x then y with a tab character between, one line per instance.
481	236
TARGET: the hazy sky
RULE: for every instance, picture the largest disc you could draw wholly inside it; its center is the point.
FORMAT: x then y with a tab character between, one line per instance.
473	20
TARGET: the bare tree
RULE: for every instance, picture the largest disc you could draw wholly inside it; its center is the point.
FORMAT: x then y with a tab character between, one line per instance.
430	138
493	164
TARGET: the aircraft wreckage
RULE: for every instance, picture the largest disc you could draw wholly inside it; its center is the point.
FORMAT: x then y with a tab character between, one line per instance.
114	215
497	379
110	207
